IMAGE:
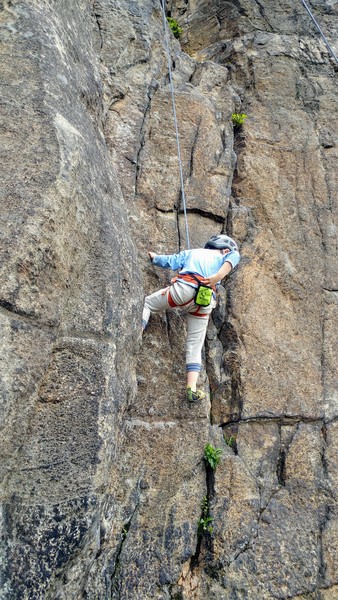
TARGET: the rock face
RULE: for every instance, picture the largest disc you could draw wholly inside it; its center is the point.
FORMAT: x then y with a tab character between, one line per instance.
103	481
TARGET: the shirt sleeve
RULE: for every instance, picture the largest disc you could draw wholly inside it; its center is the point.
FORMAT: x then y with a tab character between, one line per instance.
233	258
170	261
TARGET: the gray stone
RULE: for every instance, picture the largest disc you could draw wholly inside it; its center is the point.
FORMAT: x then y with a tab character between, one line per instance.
102	472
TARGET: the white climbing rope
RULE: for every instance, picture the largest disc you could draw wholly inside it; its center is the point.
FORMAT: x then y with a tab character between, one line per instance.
330	49
167	43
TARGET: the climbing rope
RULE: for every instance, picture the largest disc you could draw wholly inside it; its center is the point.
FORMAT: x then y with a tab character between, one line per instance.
320	31
172	92
167	43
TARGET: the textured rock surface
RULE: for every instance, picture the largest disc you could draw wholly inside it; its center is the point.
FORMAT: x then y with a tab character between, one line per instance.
101	459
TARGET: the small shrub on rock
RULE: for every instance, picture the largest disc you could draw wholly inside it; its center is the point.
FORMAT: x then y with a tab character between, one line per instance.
212	456
174	26
238	119
204	524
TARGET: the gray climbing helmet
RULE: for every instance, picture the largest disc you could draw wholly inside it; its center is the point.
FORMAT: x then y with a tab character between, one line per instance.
221	241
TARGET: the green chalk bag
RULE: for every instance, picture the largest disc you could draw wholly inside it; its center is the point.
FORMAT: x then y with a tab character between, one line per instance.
203	295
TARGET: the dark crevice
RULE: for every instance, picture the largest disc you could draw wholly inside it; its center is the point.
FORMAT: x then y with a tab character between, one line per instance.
323	452
205	537
229	219
224	139
195	558
192	152
196	211
166	211
281	460
124	535
282	419
231	438
281	470
236	401
131	160
150	93
210	480
206	214
18	316
190	80
97	18
10	311
266	506
239	142
251	70
248	546
228	337
8	306
323	520
168	330
262	13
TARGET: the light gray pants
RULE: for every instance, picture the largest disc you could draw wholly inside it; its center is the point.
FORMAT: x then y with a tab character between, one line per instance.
181	295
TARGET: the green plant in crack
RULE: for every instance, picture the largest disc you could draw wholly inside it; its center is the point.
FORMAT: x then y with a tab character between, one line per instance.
238	119
174	26
212	456
230	440
205	522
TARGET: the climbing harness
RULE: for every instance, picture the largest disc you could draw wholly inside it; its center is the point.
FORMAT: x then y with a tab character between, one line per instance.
203	294
167	43
330	49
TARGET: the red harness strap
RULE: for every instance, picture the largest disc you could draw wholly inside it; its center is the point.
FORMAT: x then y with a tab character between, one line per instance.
197	313
173	304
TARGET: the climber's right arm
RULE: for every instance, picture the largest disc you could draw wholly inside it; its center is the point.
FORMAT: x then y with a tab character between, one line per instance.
168	261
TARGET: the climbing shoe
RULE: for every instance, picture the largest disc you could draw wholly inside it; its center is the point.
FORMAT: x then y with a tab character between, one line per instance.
194	396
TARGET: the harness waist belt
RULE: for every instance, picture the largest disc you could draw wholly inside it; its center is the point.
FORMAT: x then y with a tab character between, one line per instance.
191	279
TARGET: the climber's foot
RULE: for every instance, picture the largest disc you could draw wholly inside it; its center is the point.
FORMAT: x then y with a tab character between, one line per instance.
194	396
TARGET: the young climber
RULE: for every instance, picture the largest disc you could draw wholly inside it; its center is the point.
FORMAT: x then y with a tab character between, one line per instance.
209	265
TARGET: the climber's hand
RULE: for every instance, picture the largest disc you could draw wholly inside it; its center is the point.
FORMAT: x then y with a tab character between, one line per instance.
210	281
151	255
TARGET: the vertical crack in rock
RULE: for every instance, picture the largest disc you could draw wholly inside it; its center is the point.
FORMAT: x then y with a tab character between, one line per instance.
169	331
245	548
97	16
326	509
193	146
324	519
204	537
124	535
263	14
151	90
281	469
324	445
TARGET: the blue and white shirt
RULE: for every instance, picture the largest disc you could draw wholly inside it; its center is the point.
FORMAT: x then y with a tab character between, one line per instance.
200	261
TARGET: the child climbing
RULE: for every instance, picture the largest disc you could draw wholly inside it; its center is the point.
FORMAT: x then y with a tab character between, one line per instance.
206	266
